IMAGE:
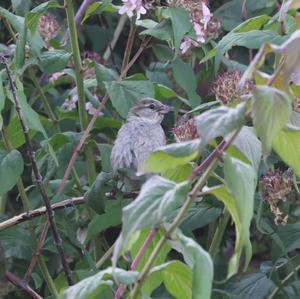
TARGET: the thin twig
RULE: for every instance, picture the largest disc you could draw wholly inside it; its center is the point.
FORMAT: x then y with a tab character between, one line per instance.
21	284
40	211
38	178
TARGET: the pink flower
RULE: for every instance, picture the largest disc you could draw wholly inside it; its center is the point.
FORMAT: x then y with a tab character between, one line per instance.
56	76
199	33
70	103
206	15
129	6
91	109
187	44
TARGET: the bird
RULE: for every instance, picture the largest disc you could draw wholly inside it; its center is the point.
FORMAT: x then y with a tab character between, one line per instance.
141	134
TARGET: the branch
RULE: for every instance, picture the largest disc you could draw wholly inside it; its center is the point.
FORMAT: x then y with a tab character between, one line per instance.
40	211
21	284
38	178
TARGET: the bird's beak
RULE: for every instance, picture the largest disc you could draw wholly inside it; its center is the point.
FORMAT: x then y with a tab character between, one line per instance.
165	109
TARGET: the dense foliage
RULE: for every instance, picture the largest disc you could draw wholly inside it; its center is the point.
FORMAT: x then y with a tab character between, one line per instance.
218	218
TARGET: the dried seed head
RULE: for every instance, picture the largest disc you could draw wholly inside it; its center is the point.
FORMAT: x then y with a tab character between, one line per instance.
48	27
88	58
277	187
226	88
185	129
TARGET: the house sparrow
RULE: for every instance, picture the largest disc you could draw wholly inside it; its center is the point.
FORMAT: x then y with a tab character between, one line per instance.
139	136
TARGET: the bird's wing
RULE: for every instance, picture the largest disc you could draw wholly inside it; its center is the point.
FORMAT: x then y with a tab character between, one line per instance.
147	143
122	155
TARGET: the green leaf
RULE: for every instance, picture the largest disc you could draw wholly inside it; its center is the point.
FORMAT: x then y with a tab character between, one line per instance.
93	286
238	197
200	263
11	168
252	24
96	194
169	157
249	145
54	61
157	199
111	218
125	94
220	121
105	150
271	109
254	285
97	8
185	77
181	24
177	278
251	40
19	57
162	31
104	74
286	144
33	16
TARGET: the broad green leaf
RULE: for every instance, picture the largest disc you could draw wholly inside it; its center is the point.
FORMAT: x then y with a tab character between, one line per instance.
105	150
254	285
111	218
271	109
157	199
93	286
181	24
177	278
21	7
247	143
95	196
162	52
241	182
169	157
185	77
252	40
125	94
104	73
220	121
252	24
33	16
54	61
200	263
11	168
162	31
286	144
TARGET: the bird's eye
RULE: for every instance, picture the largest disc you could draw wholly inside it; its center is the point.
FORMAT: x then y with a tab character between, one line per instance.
151	106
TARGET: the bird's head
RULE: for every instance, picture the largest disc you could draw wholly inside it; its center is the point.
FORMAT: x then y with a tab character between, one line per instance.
148	109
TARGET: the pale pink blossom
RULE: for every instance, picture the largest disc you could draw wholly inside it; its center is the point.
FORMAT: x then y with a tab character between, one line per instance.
70	103
206	15
132	6
91	109
199	33
295	77
187	44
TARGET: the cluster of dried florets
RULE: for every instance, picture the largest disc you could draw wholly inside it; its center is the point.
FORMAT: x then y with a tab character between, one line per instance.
226	87
48	27
276	187
185	129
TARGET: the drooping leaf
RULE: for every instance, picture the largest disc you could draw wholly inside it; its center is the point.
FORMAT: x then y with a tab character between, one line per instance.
54	61
162	31
104	73
271	109
220	121
200	263
11	168
157	199
99	7
247	143
185	77
19	57
93	286
125	94
238	198
286	144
